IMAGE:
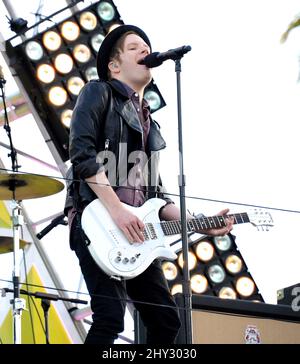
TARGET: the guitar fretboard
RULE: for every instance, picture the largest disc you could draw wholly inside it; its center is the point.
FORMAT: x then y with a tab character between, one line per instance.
203	223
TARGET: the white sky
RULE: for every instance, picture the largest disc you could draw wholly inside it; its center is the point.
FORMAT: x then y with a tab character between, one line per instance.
241	122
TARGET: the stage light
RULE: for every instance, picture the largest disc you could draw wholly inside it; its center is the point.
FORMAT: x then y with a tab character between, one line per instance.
170	270
88	21
52	40
34	50
65	117
199	283
191	258
204	251
233	264
177	288
245	286
57	96
106	11
45	73
70	30
223	243
82	53
227	293
216	273
64	55
96	41
153	100
63	63
217	268
91	73
74	85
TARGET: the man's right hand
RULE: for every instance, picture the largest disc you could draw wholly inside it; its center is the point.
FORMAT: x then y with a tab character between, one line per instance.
129	224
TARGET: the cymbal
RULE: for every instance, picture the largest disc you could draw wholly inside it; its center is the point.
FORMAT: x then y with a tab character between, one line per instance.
7	244
27	186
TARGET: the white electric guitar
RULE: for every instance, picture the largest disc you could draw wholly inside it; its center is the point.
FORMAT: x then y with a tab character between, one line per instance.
120	259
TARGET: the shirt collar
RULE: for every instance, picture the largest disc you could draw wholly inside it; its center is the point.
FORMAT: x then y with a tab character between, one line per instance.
127	91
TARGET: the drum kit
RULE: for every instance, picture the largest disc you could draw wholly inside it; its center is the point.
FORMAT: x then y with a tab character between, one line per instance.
17	187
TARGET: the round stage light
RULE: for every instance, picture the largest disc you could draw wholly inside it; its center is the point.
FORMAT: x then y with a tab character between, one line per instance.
82	53
34	50
177	288
52	40
75	84
216	273
223	243
96	41
170	270
57	95
106	11
233	264
45	73
245	286
65	117
153	100
88	21
70	30
192	260
205	251
199	283
91	73
63	63
227	293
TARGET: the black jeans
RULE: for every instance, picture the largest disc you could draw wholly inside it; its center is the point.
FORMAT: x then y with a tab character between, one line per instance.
107	298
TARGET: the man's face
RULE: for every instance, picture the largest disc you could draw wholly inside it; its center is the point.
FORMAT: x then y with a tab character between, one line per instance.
134	50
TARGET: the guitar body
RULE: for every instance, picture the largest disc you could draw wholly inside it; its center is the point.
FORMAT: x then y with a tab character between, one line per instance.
110	248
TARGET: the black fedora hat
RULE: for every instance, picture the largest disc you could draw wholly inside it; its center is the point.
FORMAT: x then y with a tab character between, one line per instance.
108	43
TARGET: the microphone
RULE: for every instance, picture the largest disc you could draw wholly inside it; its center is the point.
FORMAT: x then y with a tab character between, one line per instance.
155	59
58	220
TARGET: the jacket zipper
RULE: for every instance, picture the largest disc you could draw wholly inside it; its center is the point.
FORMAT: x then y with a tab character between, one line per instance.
119	150
106	146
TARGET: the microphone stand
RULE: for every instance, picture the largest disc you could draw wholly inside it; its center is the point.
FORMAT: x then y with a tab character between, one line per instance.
17	221
187	295
46	299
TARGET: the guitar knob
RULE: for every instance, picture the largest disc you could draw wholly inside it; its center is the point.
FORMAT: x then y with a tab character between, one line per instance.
118	259
133	260
125	260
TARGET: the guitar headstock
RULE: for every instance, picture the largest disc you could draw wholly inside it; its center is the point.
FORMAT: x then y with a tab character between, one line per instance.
260	218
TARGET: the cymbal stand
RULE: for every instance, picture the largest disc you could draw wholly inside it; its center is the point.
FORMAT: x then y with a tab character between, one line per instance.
18	303
17	221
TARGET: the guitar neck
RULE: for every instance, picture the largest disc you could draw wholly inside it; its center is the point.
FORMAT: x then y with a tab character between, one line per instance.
214	222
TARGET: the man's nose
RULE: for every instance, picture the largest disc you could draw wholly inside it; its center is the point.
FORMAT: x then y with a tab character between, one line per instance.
145	50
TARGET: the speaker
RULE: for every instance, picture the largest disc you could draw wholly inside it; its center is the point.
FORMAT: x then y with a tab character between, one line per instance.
224	321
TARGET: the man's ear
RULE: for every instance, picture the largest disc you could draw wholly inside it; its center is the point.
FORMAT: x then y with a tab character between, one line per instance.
113	66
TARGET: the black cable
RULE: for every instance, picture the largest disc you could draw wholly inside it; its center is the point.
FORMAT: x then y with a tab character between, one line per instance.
126	300
29	305
6	126
38	313
165	193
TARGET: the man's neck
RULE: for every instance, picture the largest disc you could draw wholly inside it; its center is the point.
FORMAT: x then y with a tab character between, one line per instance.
137	88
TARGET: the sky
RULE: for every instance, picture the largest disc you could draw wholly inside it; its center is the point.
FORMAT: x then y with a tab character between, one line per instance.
241	123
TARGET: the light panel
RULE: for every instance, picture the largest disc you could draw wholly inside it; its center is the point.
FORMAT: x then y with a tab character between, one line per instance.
54	65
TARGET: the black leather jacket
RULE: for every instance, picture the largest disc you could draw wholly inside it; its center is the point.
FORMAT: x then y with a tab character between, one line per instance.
102	118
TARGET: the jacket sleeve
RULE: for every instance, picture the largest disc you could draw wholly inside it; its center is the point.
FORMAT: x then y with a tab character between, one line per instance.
87	119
